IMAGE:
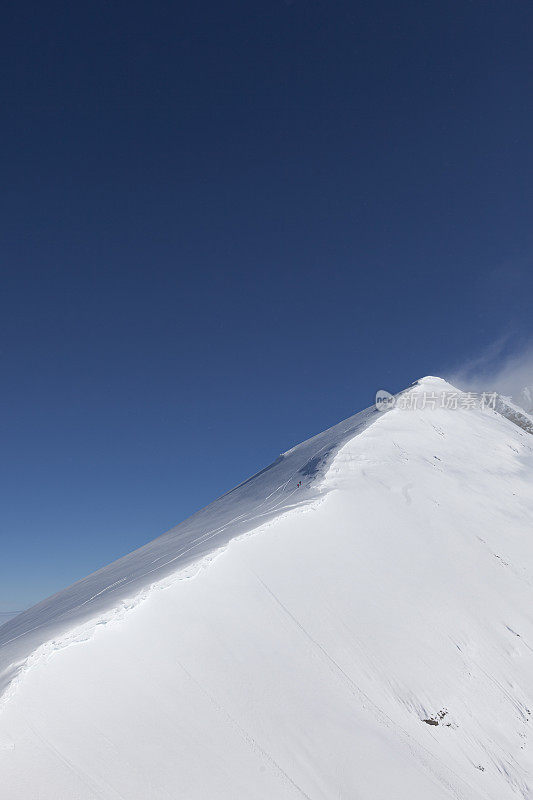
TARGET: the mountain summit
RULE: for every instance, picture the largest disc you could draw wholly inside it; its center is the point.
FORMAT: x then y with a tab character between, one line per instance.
355	621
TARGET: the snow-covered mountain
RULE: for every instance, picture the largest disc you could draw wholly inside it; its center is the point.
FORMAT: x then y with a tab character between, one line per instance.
366	634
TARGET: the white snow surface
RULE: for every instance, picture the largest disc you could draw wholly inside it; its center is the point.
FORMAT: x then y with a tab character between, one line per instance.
395	586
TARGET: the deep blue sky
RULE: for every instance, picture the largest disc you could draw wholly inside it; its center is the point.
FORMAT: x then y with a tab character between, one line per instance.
224	226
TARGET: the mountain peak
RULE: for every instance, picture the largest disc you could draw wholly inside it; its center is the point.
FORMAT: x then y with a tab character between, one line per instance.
434	383
364	600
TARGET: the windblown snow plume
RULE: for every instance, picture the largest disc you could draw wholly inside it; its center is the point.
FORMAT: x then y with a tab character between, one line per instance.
508	373
355	621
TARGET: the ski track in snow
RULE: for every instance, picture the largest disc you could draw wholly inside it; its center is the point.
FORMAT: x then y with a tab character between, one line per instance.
247	737
424	757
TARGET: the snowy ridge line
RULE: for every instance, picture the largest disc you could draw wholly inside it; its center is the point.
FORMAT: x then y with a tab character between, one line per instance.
85	632
367	585
266	495
53	619
202	539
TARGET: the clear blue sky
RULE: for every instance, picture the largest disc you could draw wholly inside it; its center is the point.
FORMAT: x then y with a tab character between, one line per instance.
224	226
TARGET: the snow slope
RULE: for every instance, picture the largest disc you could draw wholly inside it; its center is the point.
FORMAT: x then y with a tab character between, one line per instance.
183	549
395	587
